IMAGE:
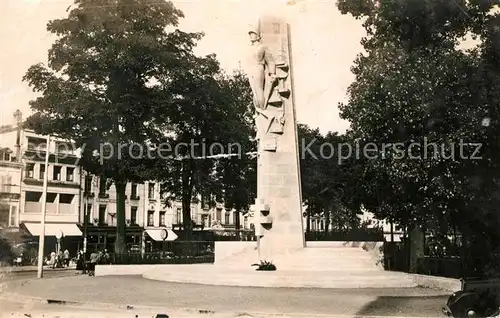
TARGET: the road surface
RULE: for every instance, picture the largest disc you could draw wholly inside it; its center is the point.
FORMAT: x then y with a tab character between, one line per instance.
30	274
135	291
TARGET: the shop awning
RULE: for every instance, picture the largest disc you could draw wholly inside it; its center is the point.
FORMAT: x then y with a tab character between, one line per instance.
54	229
156	234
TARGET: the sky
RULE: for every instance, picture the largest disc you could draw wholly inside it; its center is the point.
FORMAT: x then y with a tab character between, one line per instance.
324	45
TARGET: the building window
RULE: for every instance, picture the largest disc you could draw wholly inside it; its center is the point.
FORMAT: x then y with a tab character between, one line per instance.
41	175
88	215
205	220
133	191
102	214
70	174
151	218
111	219
51	197
227	217
56	175
33	196
102	185
218	215
88	185
178	217
37	143
205	202
64	148
4	215
162	218
30	170
13	216
236	216
133	215
6	156
66	198
151	191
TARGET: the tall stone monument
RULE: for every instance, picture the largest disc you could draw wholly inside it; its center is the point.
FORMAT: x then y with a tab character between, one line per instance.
278	207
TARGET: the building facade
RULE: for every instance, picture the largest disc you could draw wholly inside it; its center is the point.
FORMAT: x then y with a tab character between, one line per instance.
78	201
98	213
63	189
146	212
10	189
22	171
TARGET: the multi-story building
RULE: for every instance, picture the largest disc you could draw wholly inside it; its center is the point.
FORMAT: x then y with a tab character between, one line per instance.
73	194
225	218
99	207
158	216
10	176
63	188
22	171
146	214
10	187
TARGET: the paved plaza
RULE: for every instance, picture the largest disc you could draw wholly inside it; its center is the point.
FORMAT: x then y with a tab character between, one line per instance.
115	292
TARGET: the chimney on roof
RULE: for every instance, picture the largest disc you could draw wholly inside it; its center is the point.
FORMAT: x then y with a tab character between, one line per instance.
18	116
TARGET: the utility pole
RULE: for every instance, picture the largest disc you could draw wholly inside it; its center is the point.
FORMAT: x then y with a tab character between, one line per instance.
85	220
41	243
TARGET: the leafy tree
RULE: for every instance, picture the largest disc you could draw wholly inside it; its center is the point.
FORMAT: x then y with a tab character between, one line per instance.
106	85
213	116
416	90
326	167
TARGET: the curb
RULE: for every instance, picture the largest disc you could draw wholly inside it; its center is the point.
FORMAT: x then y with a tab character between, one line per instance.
178	311
10	271
450	285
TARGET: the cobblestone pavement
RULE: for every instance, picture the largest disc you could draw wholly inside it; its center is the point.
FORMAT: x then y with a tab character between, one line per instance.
134	290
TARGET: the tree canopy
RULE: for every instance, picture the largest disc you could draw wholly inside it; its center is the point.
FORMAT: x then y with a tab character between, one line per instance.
435	105
123	83
326	169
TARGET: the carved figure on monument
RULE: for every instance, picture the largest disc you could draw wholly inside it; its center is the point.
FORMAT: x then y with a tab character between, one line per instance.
261	70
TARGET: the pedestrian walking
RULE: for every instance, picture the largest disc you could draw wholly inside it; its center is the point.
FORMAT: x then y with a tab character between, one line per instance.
53	259
94	259
66	258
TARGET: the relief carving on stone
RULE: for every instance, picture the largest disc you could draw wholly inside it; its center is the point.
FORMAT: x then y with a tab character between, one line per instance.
267	79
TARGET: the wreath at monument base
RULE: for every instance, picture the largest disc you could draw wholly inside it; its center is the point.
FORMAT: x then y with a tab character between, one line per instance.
265	266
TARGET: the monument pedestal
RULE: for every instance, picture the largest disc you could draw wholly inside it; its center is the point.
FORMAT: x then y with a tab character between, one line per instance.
322	265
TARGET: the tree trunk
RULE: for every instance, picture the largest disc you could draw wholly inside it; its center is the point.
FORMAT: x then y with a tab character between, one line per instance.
237	220
328	216
308	223
187	192
120	243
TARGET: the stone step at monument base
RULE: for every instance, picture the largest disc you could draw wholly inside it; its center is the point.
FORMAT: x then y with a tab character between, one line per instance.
311	257
311	267
313	278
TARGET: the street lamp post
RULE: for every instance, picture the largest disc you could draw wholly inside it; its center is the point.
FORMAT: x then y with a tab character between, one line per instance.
59	236
85	225
41	242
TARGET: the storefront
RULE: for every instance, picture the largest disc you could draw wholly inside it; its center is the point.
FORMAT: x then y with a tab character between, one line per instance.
156	238
57	235
104	237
